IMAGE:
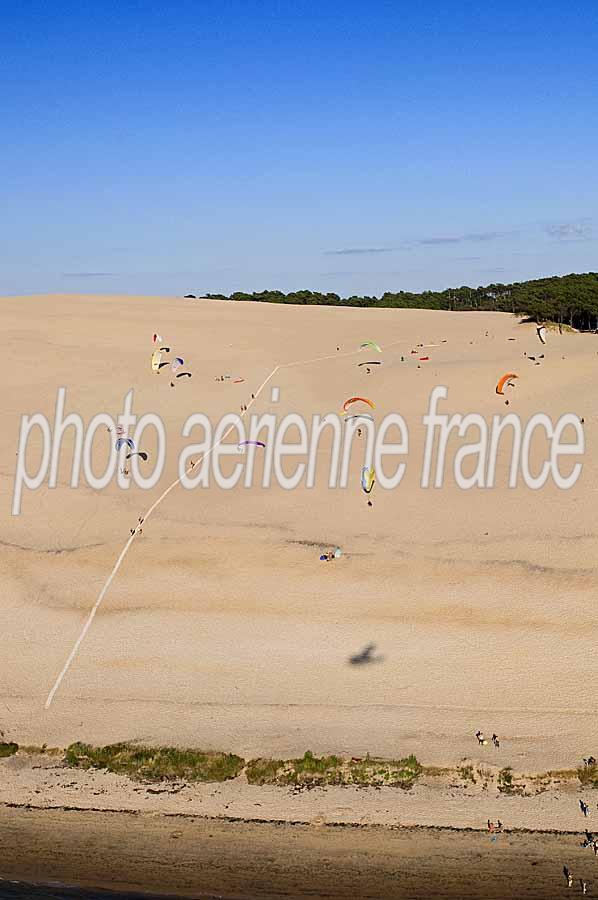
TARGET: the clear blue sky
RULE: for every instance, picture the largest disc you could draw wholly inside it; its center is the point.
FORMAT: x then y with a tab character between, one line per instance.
345	146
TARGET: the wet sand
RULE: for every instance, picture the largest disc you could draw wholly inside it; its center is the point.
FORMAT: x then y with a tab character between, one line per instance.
195	857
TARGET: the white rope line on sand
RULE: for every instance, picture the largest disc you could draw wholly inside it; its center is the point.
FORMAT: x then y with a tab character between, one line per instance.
156	503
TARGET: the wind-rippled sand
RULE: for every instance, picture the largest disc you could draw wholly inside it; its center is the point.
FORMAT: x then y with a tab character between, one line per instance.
222	628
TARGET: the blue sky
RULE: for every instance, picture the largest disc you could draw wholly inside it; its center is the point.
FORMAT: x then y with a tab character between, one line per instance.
348	147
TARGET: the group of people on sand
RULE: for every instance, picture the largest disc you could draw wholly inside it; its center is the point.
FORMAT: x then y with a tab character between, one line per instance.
482	740
590	841
244	408
331	554
583	884
138	529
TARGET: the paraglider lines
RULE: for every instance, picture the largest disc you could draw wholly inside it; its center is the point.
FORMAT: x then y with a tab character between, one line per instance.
125	550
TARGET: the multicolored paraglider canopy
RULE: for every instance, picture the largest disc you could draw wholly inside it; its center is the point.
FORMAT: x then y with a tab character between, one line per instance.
351	400
368	479
124	442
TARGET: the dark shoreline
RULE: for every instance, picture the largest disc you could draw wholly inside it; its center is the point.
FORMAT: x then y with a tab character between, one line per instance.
299	823
22	890
180	856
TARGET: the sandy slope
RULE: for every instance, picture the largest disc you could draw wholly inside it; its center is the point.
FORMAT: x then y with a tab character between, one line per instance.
222	628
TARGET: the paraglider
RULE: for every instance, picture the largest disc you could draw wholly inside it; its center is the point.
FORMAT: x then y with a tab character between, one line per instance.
372	362
351	400
541	332
140	453
181	375
124	442
238	380
368	479
359	416
371	344
157	338
165	349
505	380
177	362
243	444
156	359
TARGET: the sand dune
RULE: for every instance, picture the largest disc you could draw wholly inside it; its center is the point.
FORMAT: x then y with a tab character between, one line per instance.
222	628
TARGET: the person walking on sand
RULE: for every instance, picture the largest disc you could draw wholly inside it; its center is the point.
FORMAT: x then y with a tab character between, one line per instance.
480	737
495	740
568	876
583	885
584	807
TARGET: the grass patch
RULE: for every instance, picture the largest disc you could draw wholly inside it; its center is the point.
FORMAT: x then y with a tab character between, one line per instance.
436	771
506	785
505	781
466	773
314	771
36	750
155	763
263	771
8	748
588	776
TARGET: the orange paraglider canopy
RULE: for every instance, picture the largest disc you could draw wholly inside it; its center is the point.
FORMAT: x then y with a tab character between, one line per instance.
351	400
505	380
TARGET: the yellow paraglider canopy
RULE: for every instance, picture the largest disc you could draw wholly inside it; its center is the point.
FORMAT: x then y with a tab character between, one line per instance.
156	360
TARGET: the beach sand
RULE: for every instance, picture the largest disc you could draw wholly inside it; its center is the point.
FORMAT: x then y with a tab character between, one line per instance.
222	629
203	858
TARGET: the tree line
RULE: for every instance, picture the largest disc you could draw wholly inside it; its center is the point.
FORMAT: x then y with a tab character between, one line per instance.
568	299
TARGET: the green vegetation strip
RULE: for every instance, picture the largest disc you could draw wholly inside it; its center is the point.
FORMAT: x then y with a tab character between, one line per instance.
169	763
152	764
156	763
313	771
